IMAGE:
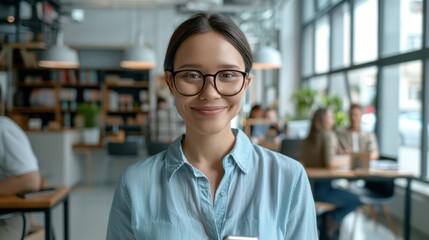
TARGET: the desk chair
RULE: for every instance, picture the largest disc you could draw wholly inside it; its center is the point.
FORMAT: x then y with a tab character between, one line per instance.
291	147
154	147
128	150
322	208
377	193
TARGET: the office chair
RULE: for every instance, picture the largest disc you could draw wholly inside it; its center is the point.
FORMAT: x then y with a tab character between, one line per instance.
154	147
123	151
376	193
291	147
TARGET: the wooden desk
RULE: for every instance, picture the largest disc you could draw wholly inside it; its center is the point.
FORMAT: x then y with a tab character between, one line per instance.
41	203
87	150
319	174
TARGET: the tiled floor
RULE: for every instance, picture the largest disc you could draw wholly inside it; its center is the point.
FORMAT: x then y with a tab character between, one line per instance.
89	209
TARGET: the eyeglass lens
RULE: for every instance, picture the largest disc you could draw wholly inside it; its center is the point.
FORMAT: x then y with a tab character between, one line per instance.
191	82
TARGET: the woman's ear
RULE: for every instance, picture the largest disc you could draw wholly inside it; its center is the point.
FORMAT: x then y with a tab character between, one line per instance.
169	79
247	81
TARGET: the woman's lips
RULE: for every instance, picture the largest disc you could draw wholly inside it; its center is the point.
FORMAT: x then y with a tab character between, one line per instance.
209	111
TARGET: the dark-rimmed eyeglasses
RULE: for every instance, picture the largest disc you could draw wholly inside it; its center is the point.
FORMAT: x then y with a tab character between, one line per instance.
191	82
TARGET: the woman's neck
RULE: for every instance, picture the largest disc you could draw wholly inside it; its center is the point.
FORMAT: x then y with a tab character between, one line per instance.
204	150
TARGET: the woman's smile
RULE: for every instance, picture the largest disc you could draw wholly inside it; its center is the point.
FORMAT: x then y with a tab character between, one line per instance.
209	111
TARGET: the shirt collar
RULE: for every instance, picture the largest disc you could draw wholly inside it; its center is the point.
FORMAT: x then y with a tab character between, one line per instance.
240	154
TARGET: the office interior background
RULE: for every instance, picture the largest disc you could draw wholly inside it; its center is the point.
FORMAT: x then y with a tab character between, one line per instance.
371	52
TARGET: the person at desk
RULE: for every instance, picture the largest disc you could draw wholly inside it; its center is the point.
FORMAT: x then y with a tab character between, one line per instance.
320	150
165	124
353	139
212	181
19	171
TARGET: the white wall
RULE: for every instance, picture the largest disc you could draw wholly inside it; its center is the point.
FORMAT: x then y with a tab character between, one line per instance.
290	36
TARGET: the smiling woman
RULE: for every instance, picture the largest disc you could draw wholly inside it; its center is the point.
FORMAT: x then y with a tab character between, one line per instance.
212	181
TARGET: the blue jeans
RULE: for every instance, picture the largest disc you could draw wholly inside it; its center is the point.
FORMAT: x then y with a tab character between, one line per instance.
344	201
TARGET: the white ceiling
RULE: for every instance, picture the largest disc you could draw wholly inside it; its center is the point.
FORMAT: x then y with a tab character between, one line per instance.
214	5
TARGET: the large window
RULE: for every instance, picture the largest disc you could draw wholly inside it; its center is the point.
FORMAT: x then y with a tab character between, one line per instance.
378	66
365	31
322	45
403	33
341	36
307	52
401	100
362	84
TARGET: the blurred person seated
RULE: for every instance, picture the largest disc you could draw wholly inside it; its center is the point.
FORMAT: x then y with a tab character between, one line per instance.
356	141
256	124
321	150
165	124
19	171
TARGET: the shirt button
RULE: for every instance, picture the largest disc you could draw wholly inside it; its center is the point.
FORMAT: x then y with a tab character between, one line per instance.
222	194
230	161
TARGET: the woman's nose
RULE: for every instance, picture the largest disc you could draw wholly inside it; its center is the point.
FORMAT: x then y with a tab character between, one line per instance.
209	90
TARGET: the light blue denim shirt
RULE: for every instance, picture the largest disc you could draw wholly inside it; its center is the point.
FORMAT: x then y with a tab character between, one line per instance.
263	194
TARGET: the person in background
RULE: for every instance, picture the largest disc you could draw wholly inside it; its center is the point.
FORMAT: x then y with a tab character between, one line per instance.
212	182
19	171
257	130
320	150
355	140
165	124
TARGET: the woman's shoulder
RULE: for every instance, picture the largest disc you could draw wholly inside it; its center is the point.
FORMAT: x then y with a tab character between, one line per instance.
277	159
148	167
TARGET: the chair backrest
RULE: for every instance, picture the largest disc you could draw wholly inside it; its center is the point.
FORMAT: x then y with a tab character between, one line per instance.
291	147
154	147
384	187
122	148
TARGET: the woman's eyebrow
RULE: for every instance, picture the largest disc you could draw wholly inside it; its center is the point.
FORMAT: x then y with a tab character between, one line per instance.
198	66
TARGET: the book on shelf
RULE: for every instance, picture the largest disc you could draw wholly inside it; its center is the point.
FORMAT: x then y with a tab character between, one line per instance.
28	58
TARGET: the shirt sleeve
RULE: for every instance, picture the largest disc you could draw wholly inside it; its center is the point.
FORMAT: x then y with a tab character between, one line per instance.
119	226
18	157
302	222
372	142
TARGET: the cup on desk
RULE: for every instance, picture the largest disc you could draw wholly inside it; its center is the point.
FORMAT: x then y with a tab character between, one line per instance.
360	160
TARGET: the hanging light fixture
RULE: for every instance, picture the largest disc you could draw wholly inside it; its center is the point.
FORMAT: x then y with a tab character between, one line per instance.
266	57
139	56
59	55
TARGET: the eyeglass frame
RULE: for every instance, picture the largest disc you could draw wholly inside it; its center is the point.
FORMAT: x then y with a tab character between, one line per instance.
174	73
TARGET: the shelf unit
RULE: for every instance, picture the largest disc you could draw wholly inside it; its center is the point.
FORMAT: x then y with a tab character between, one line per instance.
38	20
54	95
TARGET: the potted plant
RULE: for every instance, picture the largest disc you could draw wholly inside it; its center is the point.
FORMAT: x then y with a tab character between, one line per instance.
298	125
305	98
336	104
90	131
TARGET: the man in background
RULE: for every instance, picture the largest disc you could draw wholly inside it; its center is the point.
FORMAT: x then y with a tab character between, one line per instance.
19	171
165	125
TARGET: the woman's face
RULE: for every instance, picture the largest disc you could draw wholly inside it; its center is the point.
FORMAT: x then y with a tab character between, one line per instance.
328	121
207	112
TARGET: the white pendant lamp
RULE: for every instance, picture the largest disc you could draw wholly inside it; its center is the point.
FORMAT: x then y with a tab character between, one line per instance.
267	57
59	55
139	56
